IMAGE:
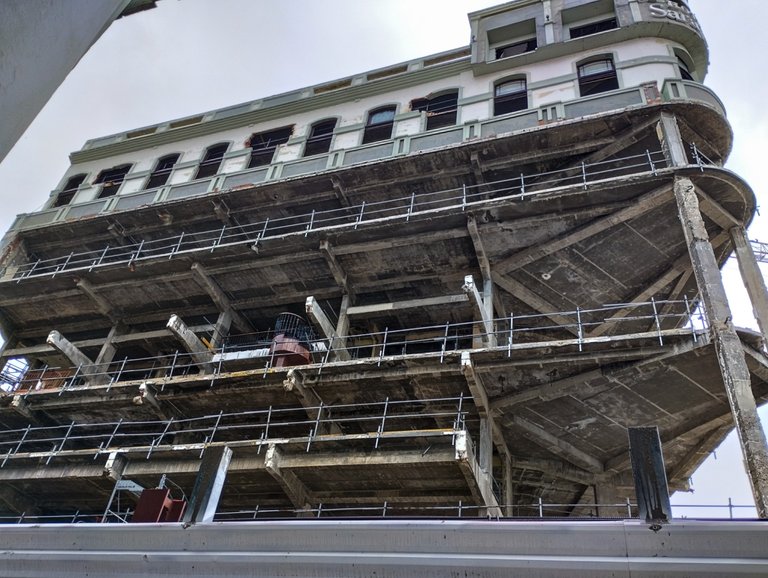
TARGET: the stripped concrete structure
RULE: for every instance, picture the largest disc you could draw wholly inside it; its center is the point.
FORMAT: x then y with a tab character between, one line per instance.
508	254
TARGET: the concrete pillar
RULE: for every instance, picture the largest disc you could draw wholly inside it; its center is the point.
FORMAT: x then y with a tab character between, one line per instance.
753	279
221	329
199	353
509	489
607	498
730	355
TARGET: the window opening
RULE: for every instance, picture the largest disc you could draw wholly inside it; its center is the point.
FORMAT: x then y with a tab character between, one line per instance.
320	136
441	110
379	125
211	162
685	72
597	76
70	189
521	47
264	144
111	179
162	171
593	28
510	96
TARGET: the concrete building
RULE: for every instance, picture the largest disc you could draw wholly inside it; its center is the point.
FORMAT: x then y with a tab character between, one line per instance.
445	288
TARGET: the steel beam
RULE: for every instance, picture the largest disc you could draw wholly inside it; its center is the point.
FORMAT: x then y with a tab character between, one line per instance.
208	485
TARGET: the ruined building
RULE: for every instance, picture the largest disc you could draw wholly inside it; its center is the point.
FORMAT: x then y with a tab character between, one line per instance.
443	288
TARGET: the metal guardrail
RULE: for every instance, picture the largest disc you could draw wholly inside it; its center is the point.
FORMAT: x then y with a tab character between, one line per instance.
366	213
509	334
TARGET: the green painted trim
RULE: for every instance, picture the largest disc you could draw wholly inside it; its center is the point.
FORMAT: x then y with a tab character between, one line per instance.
283	110
186	165
350	128
477	98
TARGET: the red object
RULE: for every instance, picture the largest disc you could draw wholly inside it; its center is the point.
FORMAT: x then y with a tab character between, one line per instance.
289	351
155	505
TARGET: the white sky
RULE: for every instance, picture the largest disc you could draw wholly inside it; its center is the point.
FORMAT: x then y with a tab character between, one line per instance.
190	56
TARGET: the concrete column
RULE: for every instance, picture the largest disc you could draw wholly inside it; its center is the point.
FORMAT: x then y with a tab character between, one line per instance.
509	489
606	498
730	355
753	279
221	329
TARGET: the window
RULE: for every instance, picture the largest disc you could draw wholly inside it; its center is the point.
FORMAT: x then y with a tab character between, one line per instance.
597	76
111	180
68	192
685	72
211	162
593	28
162	171
510	96
264	144
441	110
320	136
379	125
521	47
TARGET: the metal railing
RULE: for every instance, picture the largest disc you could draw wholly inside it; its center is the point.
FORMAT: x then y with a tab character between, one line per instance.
536	510
649	320
372	422
462	198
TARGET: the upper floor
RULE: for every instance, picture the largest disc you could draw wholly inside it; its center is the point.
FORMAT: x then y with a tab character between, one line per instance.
530	62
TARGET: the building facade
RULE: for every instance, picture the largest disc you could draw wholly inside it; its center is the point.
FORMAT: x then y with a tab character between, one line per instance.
442	288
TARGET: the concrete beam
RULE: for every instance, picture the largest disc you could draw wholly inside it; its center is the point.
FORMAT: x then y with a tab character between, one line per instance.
365	310
479	481
752	278
309	400
93	374
559	447
217	295
730	355
321	321
339	275
221	329
477	242
640	206
200	354
293	487
102	305
540	304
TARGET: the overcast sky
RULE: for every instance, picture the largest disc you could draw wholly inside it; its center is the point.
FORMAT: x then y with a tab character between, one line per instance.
190	56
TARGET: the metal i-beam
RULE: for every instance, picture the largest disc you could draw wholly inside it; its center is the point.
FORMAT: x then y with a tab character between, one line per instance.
484	309
208	485
290	483
200	354
320	320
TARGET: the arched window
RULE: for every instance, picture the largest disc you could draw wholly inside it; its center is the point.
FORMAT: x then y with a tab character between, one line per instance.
211	162
380	123
510	96
320	136
442	110
68	192
685	70
111	180
162	171
264	144
596	76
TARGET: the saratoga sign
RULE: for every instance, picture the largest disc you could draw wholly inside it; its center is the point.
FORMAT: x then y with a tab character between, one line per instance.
672	10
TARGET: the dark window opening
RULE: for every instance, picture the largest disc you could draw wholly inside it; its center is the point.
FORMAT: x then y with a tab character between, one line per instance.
597	76
379	125
162	171
510	96
593	28
320	136
517	48
68	192
111	180
685	73
211	162
264	144
441	110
